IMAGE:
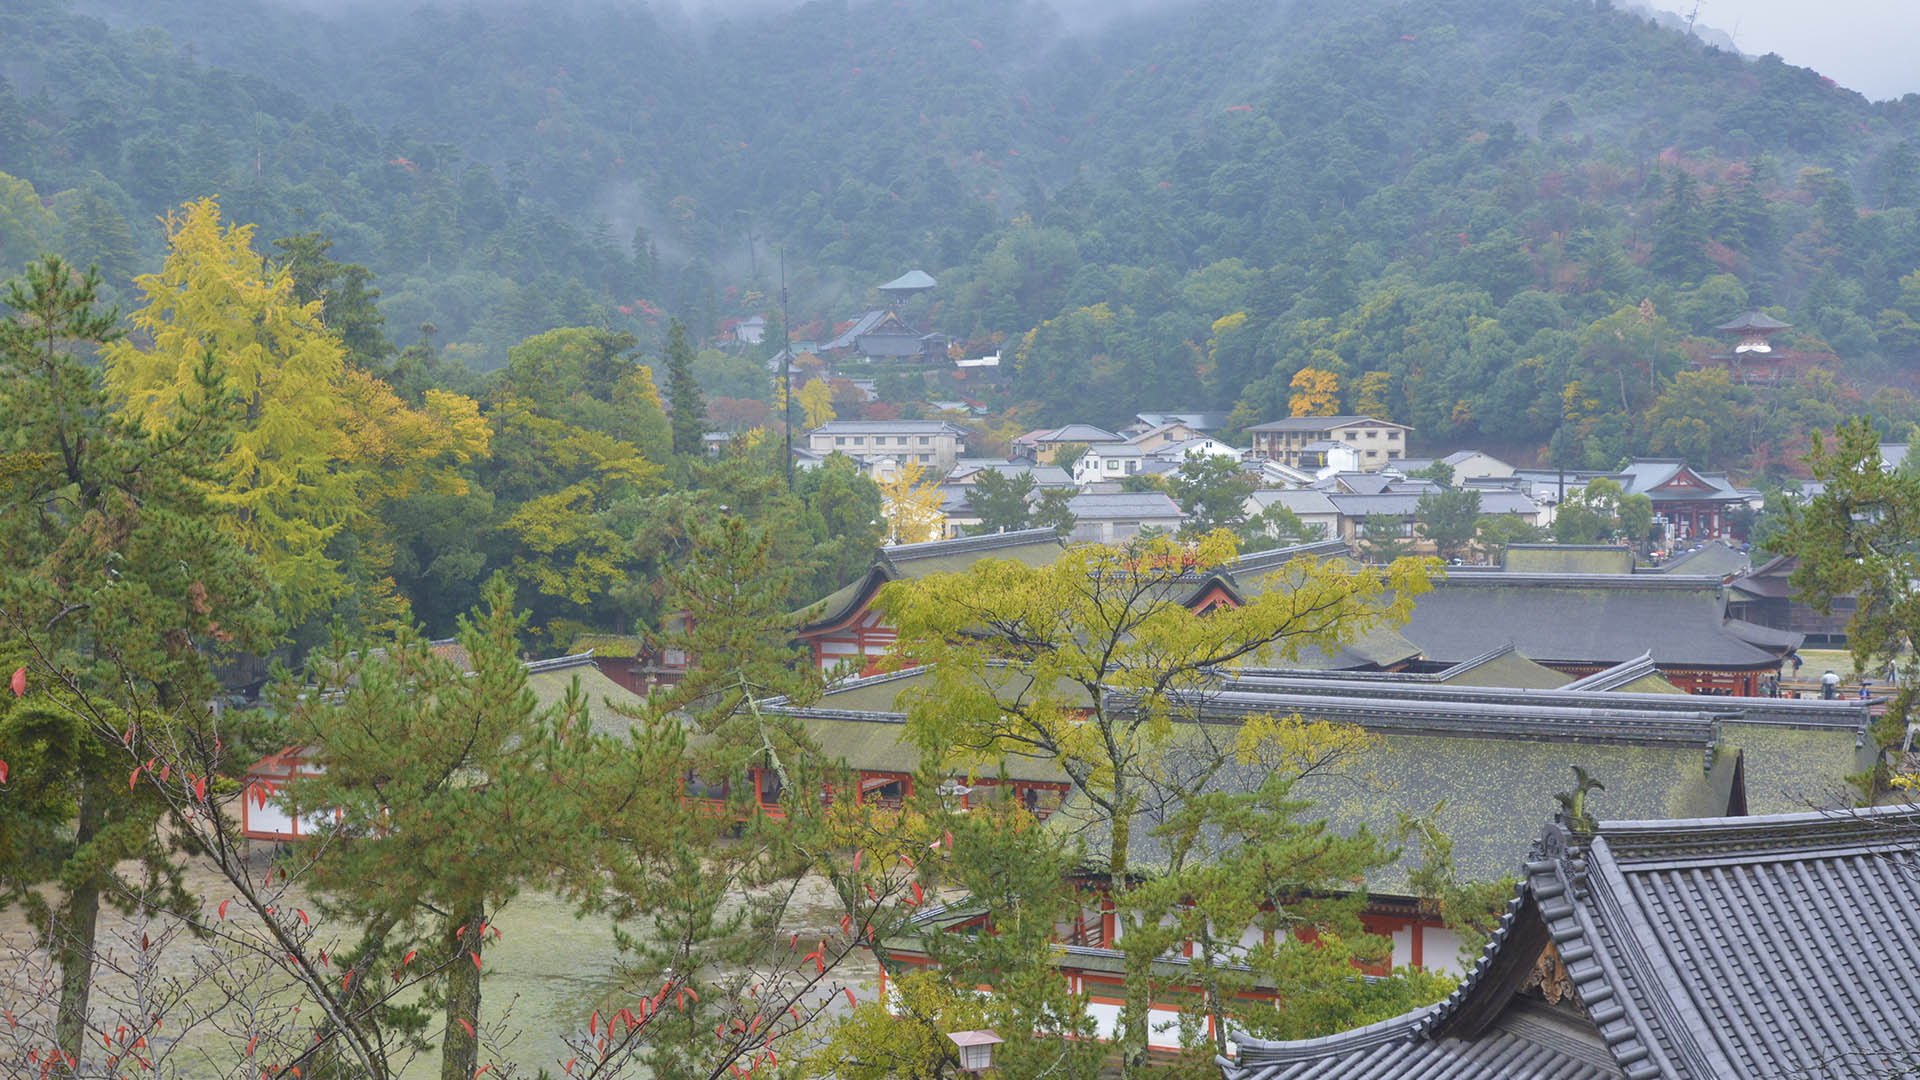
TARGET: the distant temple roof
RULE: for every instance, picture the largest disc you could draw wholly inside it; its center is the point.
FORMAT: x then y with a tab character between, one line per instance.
1753	320
911	281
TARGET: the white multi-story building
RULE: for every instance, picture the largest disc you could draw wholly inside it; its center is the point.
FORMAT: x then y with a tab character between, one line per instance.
934	444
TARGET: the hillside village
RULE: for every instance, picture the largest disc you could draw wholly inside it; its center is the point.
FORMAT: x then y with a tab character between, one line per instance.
1356	478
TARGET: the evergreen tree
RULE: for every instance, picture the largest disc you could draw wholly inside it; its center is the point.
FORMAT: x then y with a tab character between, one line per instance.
1054	510
683	394
1212	491
1449	519
349	304
1680	237
118	591
93	234
446	785
1001	502
1900	175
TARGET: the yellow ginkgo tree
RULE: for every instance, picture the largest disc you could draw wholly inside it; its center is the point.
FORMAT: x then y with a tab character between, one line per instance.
816	400
320	444
912	504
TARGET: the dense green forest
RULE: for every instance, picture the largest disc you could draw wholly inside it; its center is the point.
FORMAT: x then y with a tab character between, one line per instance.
1508	222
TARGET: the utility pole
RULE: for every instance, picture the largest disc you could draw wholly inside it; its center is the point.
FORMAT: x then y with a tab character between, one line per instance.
786	368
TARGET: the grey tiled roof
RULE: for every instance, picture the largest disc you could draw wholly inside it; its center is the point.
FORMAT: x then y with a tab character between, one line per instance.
1753	320
1199	420
1582	618
1693	949
889	427
912	279
1124	504
1618	676
1086	433
1851	715
1712	557
1487	773
1320	423
1646	475
860	326
1535	1043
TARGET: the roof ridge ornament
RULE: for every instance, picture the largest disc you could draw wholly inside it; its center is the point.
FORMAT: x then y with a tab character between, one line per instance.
1573	804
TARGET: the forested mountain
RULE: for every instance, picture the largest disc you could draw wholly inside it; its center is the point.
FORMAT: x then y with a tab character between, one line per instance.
1505	221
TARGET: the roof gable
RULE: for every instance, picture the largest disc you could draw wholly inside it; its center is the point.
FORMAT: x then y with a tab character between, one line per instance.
1692	948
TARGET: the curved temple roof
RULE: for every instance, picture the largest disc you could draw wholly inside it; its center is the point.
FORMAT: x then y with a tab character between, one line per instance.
1716	947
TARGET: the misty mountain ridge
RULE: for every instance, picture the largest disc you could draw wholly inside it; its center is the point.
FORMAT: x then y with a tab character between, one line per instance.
1312	167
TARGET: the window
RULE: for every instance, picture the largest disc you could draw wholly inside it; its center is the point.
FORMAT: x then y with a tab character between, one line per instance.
1371	454
859	441
1373	433
1113	466
926	440
839	440
1351	435
1393	436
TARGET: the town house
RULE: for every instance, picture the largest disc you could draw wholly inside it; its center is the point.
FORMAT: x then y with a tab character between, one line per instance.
1293	441
932	443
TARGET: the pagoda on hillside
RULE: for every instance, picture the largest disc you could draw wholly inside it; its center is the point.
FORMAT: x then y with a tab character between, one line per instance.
1754	358
884	334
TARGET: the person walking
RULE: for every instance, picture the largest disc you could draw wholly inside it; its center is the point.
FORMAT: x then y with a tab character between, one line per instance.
1829	686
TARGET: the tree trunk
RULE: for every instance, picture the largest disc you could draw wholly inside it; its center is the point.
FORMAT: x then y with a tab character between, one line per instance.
72	935
1136	1010
459	1050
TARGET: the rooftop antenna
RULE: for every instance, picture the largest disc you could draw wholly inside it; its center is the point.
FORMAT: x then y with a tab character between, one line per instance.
1694	14
786	368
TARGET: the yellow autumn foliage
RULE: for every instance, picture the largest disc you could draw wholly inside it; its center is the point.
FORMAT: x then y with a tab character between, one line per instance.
1316	392
911	501
319	444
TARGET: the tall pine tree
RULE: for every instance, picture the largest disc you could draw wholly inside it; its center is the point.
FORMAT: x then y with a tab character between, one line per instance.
118	591
683	393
